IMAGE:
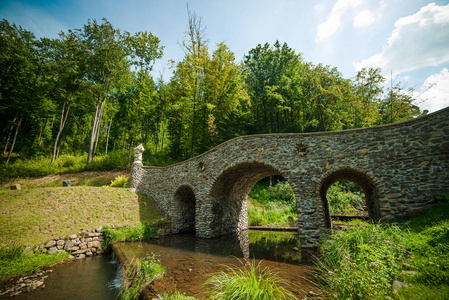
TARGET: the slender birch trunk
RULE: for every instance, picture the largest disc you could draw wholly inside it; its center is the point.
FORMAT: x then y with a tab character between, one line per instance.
14	139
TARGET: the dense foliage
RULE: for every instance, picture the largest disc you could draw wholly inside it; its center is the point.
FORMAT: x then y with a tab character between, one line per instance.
271	205
90	91
363	261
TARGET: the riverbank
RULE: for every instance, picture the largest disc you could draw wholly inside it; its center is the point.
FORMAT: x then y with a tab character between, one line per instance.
405	260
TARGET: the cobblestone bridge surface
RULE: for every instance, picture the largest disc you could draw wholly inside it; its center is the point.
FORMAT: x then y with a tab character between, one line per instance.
400	167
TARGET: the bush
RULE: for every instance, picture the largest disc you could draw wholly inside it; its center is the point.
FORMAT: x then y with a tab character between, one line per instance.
247	282
120	181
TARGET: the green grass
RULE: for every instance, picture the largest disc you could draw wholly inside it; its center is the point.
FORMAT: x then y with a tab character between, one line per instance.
33	216
42	166
128	233
273	214
247	282
362	261
16	261
271	205
345	196
138	274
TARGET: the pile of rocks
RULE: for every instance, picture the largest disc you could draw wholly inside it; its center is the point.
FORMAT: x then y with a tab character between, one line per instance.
84	244
26	284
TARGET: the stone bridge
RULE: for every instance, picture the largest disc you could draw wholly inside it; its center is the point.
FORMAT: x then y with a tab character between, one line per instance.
400	167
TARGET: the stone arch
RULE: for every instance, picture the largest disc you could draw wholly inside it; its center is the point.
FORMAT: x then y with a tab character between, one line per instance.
229	193
183	210
363	179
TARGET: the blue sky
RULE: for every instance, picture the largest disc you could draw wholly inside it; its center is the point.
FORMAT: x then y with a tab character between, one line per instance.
407	39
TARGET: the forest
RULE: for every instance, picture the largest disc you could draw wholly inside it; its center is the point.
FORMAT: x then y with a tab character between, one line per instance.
90	93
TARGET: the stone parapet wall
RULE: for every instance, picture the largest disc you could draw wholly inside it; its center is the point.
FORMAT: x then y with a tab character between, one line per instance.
399	166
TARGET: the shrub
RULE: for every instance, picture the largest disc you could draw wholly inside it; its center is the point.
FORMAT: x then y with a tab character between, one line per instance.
247	282
120	181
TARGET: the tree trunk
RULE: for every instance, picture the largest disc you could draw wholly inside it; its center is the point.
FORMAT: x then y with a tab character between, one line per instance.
107	135
95	127
64	115
14	140
129	152
9	135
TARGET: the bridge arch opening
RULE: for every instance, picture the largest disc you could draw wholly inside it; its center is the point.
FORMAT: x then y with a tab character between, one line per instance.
362	180
183	210
229	194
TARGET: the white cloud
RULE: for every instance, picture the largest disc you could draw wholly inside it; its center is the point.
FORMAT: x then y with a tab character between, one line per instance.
363	19
333	21
417	41
435	91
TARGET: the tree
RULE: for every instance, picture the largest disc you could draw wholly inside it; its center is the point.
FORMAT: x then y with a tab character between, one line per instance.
20	90
398	105
106	61
67	60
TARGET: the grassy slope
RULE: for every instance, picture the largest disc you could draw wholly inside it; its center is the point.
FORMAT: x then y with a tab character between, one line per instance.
87	178
33	216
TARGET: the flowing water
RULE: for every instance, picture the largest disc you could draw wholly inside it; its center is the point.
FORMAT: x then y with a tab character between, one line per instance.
189	262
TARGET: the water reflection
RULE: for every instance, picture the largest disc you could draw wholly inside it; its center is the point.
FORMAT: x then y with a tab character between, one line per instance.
190	261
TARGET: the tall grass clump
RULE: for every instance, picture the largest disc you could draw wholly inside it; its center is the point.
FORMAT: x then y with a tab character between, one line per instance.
138	274
17	261
120	181
247	282
128	234
361	262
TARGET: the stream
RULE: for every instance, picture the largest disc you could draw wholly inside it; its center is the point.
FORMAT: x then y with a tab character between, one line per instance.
189	262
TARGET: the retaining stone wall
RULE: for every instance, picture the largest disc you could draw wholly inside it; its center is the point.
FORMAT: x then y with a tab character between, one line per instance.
84	244
399	166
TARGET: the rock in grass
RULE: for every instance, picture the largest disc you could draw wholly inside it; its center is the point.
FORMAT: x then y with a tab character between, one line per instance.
15	187
66	183
52	250
50	244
